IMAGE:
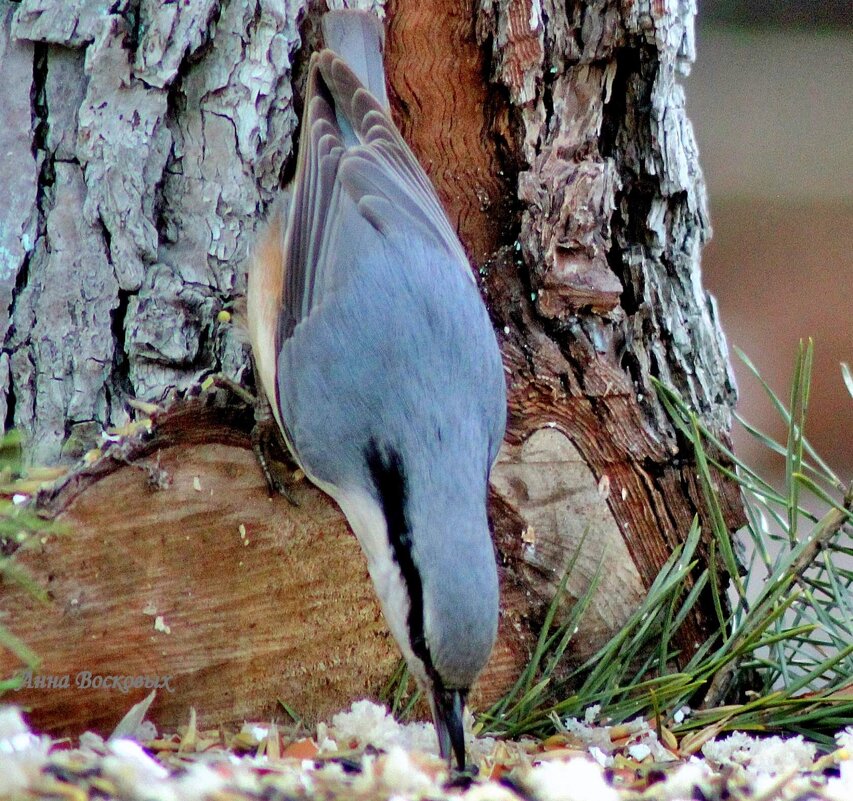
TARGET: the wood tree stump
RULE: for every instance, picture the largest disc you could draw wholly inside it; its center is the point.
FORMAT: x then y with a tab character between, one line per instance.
145	142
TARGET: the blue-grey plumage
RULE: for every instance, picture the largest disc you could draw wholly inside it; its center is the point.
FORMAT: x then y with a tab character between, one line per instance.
376	350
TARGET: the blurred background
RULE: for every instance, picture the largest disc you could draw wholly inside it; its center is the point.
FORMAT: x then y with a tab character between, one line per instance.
771	100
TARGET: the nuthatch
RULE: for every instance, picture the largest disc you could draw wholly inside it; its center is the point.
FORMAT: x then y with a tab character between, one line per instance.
376	352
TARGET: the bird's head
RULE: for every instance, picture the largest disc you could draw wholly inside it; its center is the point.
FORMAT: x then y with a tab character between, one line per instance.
444	613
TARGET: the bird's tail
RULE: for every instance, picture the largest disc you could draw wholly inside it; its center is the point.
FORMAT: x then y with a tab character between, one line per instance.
359	38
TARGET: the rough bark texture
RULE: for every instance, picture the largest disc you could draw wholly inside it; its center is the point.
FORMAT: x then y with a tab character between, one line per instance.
601	289
146	141
158	141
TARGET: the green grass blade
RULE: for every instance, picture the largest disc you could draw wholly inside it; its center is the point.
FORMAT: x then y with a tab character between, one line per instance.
786	416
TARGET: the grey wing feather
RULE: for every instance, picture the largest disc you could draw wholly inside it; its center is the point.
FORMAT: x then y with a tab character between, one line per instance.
359	38
375	130
319	152
355	181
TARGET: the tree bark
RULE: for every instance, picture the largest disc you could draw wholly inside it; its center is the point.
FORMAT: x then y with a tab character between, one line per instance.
145	141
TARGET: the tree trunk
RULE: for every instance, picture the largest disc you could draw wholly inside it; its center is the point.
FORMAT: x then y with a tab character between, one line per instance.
143	143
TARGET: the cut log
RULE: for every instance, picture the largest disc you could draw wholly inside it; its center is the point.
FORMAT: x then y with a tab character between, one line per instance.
175	565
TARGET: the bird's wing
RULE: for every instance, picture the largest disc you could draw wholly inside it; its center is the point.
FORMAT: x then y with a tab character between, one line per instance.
356	180
283	269
357	187
400	179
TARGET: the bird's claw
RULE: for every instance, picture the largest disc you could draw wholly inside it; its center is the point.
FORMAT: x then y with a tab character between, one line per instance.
267	442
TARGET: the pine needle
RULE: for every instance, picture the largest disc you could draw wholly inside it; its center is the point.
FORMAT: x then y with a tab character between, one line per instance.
796	631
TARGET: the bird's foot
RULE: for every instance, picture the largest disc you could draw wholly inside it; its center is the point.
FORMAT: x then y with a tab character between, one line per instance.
281	472
266	441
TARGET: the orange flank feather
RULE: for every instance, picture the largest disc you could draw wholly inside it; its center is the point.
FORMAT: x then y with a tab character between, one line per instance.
264	298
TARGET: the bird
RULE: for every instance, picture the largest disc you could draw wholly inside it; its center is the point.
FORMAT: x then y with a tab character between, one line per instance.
376	352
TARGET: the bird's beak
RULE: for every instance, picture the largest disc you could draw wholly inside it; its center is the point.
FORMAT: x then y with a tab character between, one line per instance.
447	707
